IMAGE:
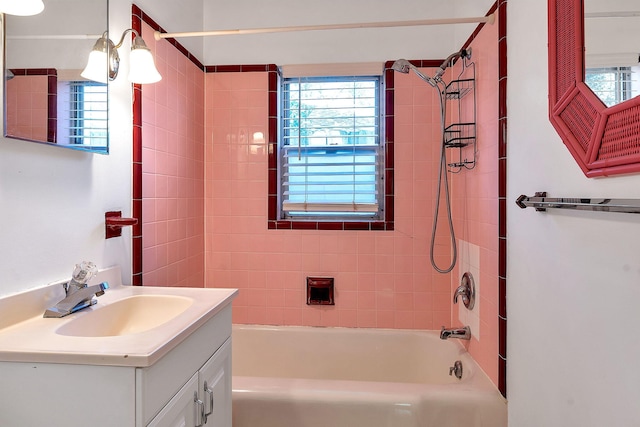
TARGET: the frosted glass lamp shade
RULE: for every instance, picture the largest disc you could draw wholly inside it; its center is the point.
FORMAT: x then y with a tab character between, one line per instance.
142	68
21	7
96	68
104	61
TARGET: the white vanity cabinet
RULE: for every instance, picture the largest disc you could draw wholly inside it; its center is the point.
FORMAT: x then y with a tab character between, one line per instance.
170	392
205	355
205	400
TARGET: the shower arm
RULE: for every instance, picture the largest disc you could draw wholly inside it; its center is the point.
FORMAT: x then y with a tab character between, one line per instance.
463	53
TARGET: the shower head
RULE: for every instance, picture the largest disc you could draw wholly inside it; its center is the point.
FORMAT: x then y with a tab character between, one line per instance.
404	66
401	65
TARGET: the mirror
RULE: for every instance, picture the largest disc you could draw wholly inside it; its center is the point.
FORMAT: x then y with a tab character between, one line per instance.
612	48
45	98
604	140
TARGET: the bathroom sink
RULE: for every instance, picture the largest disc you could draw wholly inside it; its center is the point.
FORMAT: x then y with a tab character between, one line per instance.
129	325
127	316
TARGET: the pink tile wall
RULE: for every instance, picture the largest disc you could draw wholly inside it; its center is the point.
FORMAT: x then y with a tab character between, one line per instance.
173	170
475	198
383	278
27	107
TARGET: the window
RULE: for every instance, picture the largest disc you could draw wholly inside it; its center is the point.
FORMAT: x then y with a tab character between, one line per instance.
82	112
331	159
613	85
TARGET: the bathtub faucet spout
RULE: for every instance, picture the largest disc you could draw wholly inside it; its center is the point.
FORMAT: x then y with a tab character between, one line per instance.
460	333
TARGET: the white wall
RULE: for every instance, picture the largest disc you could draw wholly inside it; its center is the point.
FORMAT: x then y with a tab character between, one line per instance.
177	16
53	199
59	18
573	277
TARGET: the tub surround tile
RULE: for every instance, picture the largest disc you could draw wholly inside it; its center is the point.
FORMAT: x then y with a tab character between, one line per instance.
238	175
476	197
169	158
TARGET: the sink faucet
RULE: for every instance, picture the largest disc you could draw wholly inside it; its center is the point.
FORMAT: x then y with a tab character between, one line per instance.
78	294
460	333
79	299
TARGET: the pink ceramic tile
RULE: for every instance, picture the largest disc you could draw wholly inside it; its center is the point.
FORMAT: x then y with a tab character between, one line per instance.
292	316
403	319
366	319
163	123
403	301
423	320
348	318
366	301
383	279
385	319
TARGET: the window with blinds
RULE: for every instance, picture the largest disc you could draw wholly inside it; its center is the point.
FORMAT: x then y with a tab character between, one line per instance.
330	151
613	85
82	115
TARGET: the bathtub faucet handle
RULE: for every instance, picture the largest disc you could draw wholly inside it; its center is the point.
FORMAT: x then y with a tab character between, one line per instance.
467	290
456	369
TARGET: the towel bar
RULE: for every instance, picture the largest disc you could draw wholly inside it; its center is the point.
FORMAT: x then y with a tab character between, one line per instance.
541	203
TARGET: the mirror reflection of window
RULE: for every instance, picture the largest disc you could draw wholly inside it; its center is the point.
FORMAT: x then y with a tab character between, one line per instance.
614	85
82	113
612	48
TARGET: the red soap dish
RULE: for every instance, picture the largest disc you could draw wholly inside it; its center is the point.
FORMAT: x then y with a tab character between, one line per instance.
113	223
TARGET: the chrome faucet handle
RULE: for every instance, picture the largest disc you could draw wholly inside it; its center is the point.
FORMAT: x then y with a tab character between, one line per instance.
456	369
467	290
81	274
464	293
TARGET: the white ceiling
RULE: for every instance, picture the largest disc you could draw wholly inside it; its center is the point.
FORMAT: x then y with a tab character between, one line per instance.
330	46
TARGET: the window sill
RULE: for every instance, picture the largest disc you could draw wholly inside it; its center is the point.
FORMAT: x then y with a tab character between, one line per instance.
331	225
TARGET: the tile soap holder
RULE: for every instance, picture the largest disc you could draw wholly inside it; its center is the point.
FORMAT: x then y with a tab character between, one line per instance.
320	291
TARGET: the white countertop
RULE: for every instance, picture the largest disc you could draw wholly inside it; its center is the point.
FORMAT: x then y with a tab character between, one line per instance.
34	339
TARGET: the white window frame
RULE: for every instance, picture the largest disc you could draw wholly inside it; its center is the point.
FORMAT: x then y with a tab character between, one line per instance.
290	148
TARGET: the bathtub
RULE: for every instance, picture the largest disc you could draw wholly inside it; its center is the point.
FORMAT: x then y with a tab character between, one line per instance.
290	376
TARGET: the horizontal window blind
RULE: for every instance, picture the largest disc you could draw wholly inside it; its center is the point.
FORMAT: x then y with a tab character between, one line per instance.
330	157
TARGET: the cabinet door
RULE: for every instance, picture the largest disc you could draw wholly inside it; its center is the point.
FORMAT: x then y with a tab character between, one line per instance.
215	387
182	409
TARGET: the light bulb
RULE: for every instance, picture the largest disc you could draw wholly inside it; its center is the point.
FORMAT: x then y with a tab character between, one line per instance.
21	7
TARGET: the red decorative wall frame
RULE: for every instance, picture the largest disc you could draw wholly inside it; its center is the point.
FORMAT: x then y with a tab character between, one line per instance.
603	140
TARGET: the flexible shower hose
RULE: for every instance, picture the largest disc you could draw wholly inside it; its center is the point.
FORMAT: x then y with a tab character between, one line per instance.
443	179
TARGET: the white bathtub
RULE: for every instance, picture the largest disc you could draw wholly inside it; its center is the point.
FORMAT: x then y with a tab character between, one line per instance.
289	376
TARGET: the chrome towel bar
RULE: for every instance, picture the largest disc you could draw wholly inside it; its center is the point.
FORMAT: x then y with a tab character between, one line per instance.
541	203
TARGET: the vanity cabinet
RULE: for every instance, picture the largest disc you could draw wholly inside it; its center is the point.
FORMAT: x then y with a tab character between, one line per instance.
170	392
205	400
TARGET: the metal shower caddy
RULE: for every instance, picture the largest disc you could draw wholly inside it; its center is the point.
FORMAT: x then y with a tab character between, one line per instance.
460	134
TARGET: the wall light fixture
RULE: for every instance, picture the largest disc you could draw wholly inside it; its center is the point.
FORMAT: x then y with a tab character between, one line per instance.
104	61
22	7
